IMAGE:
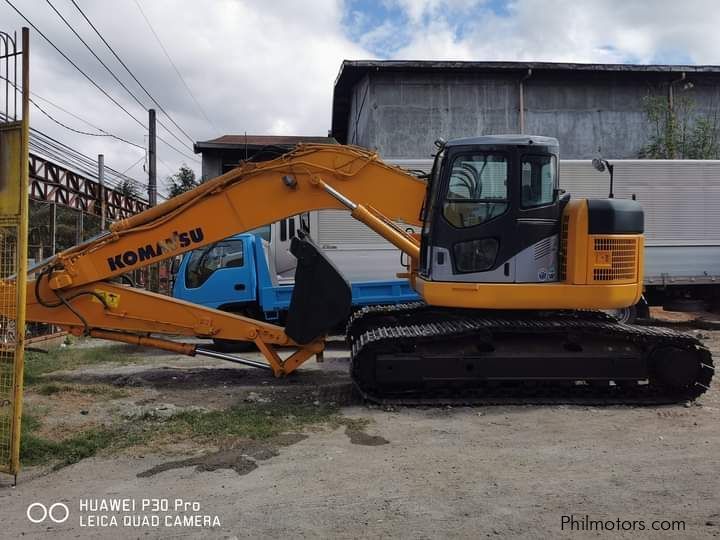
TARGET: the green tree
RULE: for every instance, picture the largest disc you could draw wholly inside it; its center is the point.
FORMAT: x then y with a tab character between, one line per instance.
128	188
182	181
679	132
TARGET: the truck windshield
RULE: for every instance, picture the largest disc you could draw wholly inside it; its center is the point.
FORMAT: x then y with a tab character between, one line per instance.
204	262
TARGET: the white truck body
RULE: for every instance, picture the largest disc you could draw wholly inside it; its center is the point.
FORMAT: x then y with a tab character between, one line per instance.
681	200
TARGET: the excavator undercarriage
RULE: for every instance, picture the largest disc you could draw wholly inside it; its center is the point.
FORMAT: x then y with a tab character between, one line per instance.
418	354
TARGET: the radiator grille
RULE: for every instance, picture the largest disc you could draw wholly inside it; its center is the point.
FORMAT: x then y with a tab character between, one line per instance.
615	259
562	253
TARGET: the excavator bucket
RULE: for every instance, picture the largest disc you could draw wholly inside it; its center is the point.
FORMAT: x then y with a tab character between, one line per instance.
321	300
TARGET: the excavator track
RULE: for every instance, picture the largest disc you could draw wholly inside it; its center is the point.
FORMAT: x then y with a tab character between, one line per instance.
419	354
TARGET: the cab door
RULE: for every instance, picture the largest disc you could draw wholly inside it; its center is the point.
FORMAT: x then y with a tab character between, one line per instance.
484	216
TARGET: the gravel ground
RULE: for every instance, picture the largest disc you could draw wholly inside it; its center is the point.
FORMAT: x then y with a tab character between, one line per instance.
412	473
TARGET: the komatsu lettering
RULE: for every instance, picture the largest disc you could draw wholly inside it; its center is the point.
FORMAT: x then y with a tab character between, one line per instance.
168	245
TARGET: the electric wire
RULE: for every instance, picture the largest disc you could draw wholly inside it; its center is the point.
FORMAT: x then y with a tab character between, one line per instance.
131	166
104	92
104	133
66	57
112	73
67	156
123	64
177	71
58	122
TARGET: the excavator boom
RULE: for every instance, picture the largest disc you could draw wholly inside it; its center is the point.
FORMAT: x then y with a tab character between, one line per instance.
243	199
73	289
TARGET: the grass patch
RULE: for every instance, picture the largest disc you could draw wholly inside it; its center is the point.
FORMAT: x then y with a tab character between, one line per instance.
35	450
38	364
248	421
256	421
110	392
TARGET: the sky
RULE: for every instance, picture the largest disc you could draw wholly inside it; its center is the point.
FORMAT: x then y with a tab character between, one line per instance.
268	66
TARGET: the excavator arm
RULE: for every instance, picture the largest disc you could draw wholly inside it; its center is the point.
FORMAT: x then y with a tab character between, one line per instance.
73	289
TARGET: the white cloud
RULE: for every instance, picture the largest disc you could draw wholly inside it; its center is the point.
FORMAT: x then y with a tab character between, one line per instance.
416	10
255	66
565	30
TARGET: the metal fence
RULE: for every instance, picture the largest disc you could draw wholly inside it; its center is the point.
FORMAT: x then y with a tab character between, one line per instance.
14	167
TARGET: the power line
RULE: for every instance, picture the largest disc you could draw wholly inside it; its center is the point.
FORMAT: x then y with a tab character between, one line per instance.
128	70
87	170
61	154
61	124
106	133
74	158
66	57
102	134
131	166
103	64
92	81
165	165
197	103
196	160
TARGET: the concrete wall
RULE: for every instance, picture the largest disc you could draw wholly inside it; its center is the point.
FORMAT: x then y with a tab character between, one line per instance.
404	112
359	124
211	165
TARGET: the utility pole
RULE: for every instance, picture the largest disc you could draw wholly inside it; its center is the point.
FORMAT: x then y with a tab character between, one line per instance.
101	179
152	158
154	269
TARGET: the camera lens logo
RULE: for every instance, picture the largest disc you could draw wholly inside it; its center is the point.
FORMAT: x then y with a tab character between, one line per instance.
57	513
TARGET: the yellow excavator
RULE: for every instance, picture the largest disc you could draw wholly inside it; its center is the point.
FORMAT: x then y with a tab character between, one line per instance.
512	271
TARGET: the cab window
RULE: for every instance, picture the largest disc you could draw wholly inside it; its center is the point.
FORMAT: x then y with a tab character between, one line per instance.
477	191
204	262
538	180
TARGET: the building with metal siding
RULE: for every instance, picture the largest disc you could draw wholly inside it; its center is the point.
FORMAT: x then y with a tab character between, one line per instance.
400	107
226	152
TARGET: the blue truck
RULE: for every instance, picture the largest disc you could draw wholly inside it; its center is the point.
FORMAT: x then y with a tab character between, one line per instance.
238	275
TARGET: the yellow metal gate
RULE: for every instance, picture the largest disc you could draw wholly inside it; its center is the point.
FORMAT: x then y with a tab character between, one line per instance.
13	241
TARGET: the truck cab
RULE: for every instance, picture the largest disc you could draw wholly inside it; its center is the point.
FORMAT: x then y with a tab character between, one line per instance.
240	275
233	275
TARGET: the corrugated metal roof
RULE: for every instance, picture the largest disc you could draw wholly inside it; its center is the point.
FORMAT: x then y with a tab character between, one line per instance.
230	142
434	65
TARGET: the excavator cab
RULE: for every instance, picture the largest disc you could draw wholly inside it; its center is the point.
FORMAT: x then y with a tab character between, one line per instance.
493	212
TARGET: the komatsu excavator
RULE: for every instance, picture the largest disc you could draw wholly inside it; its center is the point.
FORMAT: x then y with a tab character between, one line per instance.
512	272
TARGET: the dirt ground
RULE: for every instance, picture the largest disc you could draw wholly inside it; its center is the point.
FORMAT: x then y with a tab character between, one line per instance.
463	472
